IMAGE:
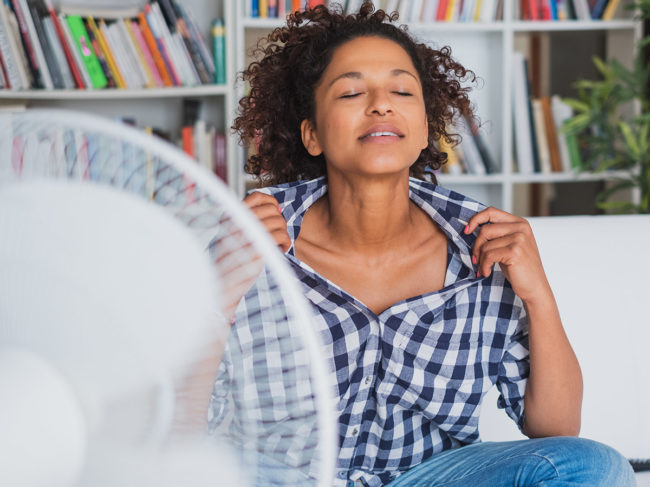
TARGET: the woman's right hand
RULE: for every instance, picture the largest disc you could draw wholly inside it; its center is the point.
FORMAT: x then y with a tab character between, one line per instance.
267	210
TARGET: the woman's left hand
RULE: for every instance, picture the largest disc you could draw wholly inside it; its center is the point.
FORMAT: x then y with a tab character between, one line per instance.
508	240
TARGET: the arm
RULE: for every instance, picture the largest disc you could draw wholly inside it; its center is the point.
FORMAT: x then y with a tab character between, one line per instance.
553	396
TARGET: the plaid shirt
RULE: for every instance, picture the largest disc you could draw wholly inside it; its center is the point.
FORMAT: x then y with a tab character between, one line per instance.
410	380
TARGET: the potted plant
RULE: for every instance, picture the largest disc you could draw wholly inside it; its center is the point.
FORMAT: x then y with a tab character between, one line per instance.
614	141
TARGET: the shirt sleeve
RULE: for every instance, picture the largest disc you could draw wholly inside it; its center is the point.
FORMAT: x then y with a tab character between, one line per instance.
515	368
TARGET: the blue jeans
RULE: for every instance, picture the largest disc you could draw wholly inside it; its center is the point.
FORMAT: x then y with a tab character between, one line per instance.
542	462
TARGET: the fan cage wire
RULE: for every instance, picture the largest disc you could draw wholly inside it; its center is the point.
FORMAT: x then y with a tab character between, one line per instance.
46	144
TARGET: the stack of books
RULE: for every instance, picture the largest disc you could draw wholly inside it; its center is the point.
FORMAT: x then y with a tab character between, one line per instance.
471	155
566	9
541	146
409	10
160	46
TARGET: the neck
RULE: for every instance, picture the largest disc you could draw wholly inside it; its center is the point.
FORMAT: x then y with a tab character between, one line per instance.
368	214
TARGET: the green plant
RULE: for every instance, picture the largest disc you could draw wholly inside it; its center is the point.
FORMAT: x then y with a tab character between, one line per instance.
614	141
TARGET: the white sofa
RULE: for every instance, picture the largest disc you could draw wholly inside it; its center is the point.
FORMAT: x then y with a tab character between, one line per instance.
599	269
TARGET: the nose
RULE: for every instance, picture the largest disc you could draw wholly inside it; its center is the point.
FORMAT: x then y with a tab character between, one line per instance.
379	103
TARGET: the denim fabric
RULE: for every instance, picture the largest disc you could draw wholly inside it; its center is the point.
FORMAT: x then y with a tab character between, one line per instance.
543	462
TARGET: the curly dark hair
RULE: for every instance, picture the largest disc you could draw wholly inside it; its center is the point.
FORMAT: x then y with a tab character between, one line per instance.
292	61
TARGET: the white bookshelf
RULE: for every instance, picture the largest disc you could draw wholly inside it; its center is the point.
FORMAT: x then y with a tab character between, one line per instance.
159	107
486	49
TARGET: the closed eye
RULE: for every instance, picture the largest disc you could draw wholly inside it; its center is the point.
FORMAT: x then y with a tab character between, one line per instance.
403	93
350	95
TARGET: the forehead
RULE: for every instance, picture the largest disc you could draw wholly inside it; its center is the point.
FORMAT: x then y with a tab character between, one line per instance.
369	53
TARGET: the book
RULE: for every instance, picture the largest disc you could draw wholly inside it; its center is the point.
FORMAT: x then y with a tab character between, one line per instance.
610	9
174	50
192	48
429	10
115	48
84	47
83	71
272	8
59	55
219	40
72	63
441	13
562	112
101	56
581	8
486	157
144	53
128	47
543	153
551	135
37	11
598	9
521	115
161	44
195	33
415	12
37	65
14	61
109	57
151	43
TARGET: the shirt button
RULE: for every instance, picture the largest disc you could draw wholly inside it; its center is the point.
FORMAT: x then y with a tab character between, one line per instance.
355	431
342	474
368	380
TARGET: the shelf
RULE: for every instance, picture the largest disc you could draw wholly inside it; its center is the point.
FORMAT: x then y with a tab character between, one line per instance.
571	25
470	178
114	93
566	177
499	26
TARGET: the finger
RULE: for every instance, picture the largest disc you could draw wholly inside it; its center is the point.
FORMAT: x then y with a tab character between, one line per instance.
489	215
498	230
258	199
281	238
266	210
505	250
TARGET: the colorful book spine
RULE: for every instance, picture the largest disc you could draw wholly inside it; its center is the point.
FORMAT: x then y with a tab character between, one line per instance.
263	8
158	59
162	47
36	69
42	45
75	52
219	40
146	54
83	45
74	69
108	54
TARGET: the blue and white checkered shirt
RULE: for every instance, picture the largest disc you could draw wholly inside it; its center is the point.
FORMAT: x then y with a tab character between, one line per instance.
410	380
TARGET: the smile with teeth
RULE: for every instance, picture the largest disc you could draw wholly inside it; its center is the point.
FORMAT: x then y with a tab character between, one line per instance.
381	134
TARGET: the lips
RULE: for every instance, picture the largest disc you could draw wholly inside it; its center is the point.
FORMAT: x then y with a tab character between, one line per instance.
382	130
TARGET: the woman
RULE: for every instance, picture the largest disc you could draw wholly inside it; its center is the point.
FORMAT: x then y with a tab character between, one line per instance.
427	298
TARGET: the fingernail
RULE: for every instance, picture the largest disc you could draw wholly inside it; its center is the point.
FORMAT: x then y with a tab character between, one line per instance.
473	260
279	208
478	274
466	228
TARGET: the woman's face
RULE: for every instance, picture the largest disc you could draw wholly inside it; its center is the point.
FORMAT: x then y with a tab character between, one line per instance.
370	117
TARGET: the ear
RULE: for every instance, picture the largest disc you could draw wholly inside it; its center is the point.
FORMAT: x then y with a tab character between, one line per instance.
309	138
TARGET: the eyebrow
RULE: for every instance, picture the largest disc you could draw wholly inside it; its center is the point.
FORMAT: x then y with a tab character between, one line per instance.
358	75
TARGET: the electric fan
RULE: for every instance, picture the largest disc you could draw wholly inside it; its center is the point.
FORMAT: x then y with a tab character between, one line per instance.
123	263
